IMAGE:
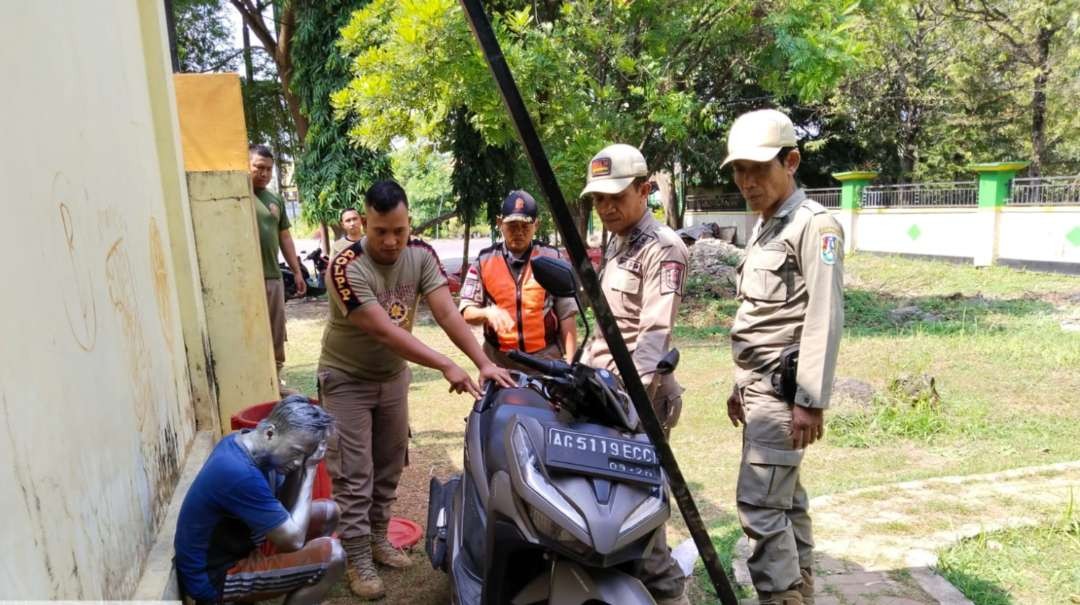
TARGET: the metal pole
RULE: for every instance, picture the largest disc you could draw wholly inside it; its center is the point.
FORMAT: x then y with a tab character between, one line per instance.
481	28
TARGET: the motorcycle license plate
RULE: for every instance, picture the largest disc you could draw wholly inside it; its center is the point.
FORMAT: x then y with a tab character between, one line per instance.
609	457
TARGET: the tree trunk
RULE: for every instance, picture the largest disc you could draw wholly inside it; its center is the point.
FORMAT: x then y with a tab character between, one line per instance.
465	248
582	210
1038	102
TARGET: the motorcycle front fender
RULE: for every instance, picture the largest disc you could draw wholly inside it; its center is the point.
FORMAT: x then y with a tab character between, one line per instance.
572	584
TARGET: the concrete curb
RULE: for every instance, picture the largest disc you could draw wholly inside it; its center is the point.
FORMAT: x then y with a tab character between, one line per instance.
920	563
158	580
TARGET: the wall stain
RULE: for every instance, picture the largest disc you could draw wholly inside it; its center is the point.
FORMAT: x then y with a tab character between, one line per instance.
81	308
159	265
31	500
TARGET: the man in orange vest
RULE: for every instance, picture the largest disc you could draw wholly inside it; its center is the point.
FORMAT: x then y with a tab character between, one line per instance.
501	294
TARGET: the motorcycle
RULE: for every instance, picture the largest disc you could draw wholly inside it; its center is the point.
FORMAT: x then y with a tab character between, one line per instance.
562	495
315	287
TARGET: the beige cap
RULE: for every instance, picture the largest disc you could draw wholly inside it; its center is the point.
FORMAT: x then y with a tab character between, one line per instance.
759	135
614	168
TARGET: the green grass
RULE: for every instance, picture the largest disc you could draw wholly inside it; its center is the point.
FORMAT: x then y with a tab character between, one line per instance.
1018	566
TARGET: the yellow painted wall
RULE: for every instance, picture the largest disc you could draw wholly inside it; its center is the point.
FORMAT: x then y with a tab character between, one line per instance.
95	404
223	215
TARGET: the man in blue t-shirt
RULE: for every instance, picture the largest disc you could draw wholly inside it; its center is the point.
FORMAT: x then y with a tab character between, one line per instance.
256	485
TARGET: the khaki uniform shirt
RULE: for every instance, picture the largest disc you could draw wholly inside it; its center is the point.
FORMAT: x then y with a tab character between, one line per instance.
339	245
791	289
642	279
354	280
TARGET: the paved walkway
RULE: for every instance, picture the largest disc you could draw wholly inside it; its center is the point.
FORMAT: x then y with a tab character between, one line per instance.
877	545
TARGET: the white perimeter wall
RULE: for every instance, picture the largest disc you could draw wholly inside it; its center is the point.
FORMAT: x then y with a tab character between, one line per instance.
95	412
938	232
1039	234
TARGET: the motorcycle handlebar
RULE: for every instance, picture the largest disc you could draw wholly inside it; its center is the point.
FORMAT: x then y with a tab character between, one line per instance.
550	367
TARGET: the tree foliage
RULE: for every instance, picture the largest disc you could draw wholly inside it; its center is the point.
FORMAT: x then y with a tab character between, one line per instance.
665	75
204	37
332	172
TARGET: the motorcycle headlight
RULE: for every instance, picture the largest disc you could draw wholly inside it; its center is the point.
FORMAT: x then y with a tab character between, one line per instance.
528	463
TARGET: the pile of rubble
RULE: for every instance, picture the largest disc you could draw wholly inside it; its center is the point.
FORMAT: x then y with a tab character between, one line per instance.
712	267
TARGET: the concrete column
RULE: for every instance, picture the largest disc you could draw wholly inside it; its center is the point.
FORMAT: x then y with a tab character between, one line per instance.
181	238
851	188
994	180
214	140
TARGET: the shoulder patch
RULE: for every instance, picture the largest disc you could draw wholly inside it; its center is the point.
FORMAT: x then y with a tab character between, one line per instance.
339	279
672	273
830	248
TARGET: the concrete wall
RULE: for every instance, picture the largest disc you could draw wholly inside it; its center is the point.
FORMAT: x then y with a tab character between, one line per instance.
930	231
1040	237
214	139
95	405
1045	233
742	221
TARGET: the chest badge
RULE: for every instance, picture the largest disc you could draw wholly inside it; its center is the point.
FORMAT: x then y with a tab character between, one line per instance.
397	311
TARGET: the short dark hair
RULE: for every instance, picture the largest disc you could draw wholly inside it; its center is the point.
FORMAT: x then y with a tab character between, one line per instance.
384	196
781	155
260	150
297	413
341	215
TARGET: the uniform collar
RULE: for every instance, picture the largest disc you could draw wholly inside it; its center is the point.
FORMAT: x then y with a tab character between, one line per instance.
780	218
510	256
791	203
643	227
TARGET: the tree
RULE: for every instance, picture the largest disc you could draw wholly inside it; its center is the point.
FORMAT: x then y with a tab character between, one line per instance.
1032	39
203	37
654	73
332	172
426	174
276	39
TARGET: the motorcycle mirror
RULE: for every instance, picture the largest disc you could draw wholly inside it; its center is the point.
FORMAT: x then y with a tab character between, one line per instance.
555	275
668	364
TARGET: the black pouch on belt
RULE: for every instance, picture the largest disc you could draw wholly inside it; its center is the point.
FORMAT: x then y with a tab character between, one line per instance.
787	373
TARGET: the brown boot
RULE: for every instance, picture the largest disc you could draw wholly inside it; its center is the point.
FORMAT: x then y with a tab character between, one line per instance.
384	552
788	597
363	579
806	589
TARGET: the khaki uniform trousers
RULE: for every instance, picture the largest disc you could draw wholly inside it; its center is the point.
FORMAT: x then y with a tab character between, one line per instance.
660	572
369	448
772	504
275	304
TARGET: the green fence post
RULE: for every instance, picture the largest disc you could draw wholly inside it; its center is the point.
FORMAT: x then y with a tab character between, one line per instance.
994	180
851	188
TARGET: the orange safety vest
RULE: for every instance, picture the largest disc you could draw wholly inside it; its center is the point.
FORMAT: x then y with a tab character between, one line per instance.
523	298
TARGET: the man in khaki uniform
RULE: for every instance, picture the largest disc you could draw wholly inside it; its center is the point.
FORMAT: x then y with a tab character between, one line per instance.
374	287
642	279
791	290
